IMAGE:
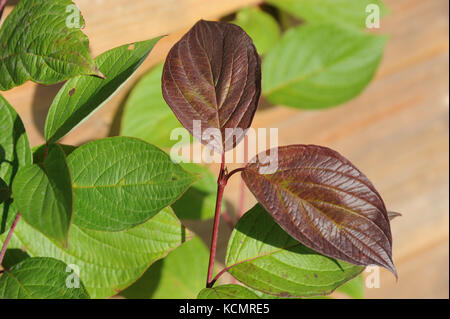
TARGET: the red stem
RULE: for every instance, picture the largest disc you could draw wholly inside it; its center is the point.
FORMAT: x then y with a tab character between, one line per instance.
237	170
8	238
221	182
226	270
218	276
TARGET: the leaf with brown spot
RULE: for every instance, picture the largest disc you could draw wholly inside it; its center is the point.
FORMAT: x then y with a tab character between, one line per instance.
39	45
83	95
326	203
213	75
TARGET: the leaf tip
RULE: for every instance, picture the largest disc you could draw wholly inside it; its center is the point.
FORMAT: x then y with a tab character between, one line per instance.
99	73
389	265
392	215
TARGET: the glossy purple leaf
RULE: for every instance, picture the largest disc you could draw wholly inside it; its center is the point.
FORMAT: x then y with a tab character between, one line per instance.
213	75
326	203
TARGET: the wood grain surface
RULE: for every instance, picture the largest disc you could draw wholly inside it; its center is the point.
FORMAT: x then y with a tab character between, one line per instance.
396	131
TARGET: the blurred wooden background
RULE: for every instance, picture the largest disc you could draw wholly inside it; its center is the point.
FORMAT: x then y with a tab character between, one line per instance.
396	131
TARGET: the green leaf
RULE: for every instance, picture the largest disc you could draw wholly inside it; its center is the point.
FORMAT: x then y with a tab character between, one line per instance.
353	288
108	261
199	201
40	278
43	195
260	26
38	45
178	276
121	182
318	66
5	192
15	152
40	150
264	257
13	256
227	292
146	112
348	12
82	95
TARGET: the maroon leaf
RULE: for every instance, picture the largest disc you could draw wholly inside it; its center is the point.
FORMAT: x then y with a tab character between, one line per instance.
213	75
326	203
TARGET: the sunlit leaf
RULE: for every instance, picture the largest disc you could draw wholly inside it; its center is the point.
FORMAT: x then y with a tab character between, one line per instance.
264	257
43	194
40	278
320	65
260	26
199	201
83	95
227	292
353	288
178	276
38	45
121	182
322	200
40	151
347	12
15	152
146	112
108	261
213	76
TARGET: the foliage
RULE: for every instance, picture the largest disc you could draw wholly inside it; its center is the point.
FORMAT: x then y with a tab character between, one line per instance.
37	45
109	211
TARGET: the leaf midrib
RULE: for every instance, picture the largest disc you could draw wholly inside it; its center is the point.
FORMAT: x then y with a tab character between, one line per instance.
321	212
329	187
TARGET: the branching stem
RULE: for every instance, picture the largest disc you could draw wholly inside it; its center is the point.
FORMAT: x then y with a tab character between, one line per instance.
221	183
237	170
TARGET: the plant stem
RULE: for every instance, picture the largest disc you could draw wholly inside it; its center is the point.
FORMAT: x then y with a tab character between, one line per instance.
224	271
221	182
8	238
237	170
218	276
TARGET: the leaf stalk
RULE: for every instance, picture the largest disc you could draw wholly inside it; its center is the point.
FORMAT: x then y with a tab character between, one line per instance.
221	183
